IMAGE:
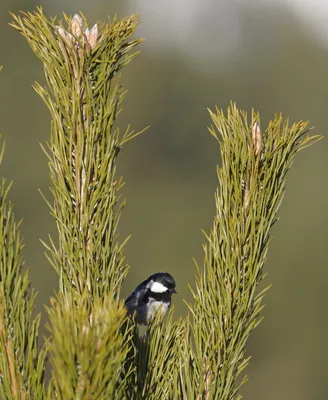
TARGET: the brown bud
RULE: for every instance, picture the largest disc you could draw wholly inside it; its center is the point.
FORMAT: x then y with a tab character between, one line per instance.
92	36
77	26
257	138
67	37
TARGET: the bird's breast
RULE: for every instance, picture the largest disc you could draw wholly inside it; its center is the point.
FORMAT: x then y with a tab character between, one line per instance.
157	306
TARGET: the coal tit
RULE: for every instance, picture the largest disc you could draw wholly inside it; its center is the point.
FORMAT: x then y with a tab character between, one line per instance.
151	295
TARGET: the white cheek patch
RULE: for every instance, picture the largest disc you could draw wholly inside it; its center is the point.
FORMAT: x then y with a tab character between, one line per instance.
157	287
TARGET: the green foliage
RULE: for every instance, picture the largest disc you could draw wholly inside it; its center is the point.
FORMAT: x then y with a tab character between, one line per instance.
88	365
227	304
84	98
21	365
156	361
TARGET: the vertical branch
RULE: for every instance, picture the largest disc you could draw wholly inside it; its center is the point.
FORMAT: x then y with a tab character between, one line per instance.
84	97
227	305
155	372
21	364
88	365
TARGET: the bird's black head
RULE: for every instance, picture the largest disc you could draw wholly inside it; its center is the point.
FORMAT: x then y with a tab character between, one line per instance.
161	282
161	286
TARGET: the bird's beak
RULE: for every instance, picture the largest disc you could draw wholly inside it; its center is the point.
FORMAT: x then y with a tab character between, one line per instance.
174	291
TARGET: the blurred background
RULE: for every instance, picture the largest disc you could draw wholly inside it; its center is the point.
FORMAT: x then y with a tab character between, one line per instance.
271	55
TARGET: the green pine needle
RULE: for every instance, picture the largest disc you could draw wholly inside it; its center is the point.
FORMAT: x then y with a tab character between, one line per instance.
88	365
21	364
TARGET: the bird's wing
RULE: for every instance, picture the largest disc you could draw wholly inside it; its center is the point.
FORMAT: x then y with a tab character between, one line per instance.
138	293
130	298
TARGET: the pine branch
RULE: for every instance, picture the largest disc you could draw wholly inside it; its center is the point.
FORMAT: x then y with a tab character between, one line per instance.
227	303
84	97
155	364
88	365
21	364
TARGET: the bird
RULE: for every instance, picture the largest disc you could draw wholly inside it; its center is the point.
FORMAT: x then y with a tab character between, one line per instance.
150	296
